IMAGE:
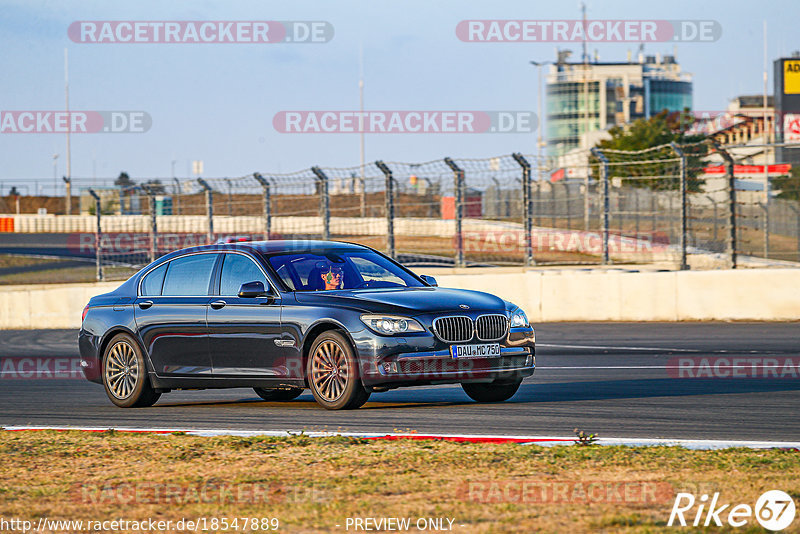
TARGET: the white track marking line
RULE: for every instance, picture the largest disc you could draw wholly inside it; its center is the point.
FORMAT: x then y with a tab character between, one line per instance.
535	440
760	366
610	347
662	349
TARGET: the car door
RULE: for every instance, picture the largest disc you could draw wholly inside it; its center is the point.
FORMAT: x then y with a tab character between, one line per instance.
245	333
170	314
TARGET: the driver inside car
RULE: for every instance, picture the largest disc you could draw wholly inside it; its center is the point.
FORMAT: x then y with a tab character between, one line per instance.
332	276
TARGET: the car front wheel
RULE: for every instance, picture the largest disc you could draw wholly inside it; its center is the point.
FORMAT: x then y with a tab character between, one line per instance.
332	373
492	392
125	374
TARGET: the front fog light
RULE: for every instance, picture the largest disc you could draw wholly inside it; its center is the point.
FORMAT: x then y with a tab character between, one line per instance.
389	367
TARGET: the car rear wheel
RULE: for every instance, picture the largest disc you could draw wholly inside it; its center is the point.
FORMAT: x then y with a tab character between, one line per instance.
285	394
492	392
333	373
125	374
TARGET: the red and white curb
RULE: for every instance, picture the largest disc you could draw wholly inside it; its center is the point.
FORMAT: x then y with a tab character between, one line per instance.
704	444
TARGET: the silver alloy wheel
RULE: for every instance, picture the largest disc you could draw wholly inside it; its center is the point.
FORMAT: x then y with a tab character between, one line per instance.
122	370
330	370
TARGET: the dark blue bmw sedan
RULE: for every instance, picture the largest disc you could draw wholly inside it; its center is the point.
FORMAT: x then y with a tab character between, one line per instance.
340	319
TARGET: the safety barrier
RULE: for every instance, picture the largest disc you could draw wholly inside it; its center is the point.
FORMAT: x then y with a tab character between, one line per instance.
545	295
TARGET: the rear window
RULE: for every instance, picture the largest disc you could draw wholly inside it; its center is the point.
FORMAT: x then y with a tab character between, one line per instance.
190	275
153	281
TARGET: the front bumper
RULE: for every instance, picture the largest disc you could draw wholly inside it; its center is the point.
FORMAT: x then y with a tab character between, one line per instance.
423	359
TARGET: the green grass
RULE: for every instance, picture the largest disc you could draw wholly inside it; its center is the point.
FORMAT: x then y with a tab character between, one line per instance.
313	484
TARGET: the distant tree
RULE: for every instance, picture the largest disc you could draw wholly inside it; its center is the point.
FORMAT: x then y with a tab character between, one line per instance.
155	186
642	134
788	185
14	192
660	129
124	181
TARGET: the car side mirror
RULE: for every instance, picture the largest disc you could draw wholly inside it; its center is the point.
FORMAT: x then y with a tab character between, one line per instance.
431	281
252	290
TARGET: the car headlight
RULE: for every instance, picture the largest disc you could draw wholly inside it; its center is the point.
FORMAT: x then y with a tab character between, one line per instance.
391	324
518	318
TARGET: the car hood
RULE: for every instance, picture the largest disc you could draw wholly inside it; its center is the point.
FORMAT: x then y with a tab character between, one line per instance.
408	301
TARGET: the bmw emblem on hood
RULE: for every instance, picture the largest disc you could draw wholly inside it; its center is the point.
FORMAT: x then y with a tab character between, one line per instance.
463	306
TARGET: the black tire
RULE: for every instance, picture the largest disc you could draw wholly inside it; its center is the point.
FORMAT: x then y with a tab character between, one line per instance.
330	388
125	376
491	392
285	394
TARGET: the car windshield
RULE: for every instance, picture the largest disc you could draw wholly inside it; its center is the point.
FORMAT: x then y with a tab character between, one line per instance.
340	269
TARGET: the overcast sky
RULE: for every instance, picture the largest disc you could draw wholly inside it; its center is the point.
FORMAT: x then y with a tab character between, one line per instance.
216	102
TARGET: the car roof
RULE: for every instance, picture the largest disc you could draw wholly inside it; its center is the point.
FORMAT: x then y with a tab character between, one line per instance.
271	247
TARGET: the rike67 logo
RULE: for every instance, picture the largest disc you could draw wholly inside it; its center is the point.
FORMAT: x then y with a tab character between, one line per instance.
774	510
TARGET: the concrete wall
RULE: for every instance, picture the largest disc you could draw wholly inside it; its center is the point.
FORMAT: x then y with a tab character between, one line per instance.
545	295
598	295
52	306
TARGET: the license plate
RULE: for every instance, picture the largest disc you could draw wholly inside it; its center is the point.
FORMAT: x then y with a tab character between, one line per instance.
483	350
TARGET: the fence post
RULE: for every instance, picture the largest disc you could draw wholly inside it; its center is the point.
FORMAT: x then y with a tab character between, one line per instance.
527	207
796	211
731	186
458	177
68	193
176	204
209	208
765	207
267	204
714	212
684	229
653	211
324	202
587	202
98	236
604	171
538	210
387	173
567	205
151	202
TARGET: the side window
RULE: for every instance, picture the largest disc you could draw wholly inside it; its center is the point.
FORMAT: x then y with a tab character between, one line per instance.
152	282
286	276
189	275
238	270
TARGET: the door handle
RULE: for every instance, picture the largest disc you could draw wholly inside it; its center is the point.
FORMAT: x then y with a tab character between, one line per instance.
145	304
217	304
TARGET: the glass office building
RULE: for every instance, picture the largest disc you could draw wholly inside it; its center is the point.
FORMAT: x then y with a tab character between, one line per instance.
596	96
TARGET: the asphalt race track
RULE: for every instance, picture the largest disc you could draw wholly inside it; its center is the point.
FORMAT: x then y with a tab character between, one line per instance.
617	380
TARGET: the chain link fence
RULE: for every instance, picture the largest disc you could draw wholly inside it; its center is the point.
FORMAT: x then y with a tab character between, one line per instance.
695	205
